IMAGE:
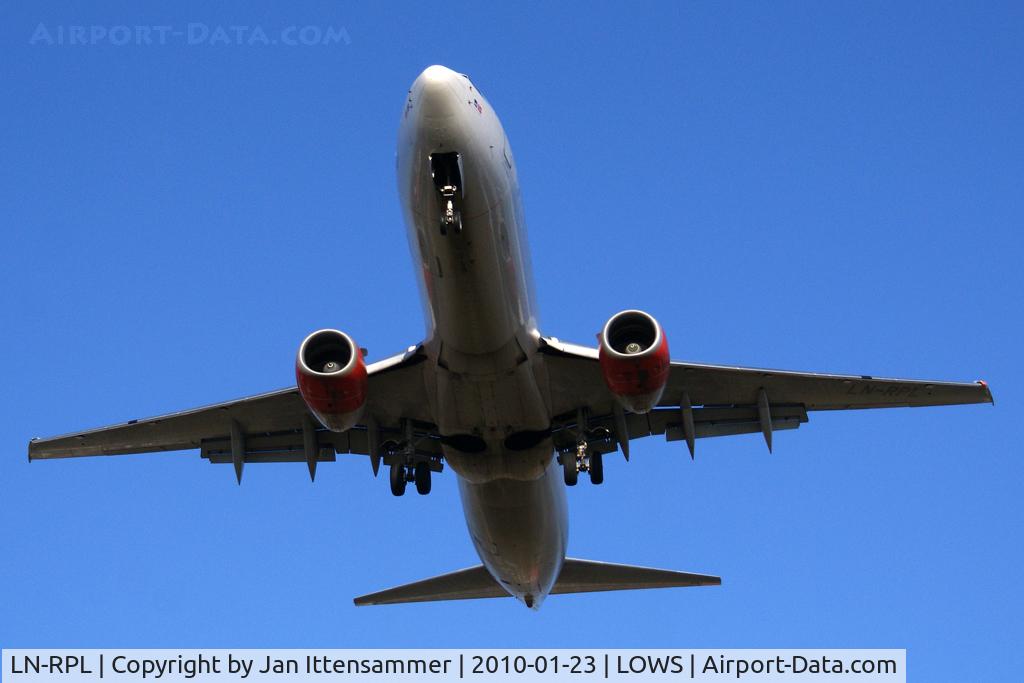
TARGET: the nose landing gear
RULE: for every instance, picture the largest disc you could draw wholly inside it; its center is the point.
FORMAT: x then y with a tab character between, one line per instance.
446	170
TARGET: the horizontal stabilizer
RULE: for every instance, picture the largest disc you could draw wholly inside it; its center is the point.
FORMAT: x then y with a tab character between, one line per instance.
587	576
578	576
473	582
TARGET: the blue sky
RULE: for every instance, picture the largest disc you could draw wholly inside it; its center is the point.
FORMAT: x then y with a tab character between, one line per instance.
799	185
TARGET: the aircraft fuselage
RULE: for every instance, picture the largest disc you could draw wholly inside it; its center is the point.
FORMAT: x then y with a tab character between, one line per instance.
486	380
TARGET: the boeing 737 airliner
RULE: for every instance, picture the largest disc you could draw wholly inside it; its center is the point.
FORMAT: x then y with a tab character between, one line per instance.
516	415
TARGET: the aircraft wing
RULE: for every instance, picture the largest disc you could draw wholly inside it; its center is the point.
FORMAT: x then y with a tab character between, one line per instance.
273	427
716	400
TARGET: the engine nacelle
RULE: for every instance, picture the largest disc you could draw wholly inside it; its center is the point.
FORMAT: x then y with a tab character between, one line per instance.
331	375
634	359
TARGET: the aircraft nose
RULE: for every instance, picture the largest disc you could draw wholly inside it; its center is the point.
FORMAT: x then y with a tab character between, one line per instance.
434	93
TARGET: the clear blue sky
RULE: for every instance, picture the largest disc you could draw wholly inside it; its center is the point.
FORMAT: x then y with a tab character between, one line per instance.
829	187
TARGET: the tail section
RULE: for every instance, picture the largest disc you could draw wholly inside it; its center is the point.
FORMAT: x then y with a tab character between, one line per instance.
578	576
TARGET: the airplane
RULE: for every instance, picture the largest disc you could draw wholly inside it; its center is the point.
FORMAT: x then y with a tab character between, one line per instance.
515	414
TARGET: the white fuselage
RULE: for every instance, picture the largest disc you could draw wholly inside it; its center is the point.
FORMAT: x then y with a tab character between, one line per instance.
484	377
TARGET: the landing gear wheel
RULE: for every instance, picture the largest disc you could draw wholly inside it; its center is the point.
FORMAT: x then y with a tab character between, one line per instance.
570	472
596	468
422	477
397	480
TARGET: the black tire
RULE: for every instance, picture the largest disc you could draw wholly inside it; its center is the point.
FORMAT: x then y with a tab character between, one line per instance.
596	468
397	480
422	476
569	471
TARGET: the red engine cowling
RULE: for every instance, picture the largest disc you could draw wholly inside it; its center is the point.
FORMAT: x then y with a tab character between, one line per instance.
331	375
634	359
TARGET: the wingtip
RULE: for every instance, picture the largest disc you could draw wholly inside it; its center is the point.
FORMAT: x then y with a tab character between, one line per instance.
988	391
365	600
31	442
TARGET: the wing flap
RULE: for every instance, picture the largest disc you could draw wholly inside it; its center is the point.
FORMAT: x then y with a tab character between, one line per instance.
289	446
708	422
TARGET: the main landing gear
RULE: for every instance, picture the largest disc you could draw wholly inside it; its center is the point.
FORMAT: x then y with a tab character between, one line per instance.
407	464
401	475
582	459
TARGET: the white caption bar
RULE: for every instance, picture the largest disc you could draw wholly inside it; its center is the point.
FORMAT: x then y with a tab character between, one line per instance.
278	666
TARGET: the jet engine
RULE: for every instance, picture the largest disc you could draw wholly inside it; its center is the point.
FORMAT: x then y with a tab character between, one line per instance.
331	375
634	359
